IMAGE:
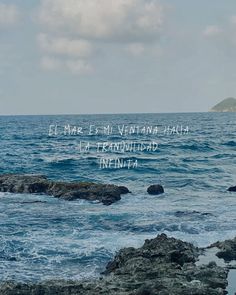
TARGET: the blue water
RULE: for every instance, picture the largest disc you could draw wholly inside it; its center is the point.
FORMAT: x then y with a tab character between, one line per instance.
60	239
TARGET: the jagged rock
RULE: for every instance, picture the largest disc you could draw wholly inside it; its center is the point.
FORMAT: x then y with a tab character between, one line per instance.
232	189
227	249
155	189
105	193
159	250
163	266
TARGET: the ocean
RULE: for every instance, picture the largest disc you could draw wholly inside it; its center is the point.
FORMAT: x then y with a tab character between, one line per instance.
193	155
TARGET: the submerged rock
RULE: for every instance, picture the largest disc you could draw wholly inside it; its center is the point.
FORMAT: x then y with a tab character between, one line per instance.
163	266
190	213
105	193
155	189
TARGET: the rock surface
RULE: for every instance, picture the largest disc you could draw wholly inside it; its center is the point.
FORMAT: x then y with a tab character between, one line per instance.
155	189
17	183
124	190
163	266
232	189
227	249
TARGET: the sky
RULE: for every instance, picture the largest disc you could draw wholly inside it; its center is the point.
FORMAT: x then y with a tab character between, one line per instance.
116	56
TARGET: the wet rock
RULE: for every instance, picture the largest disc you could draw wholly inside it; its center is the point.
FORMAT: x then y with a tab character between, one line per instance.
227	249
155	189
124	190
45	288
16	183
159	250
232	189
163	266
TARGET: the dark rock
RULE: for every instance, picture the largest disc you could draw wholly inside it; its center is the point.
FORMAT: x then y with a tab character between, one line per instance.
155	189
8	258
45	288
232	189
124	190
162	249
16	183
227	249
145	290
163	266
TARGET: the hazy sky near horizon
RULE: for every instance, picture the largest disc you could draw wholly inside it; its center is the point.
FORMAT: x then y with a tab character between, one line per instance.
116	56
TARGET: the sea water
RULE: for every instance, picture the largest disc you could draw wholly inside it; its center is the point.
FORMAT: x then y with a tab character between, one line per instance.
53	238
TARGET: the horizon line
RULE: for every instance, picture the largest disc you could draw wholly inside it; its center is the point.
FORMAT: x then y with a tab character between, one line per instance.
95	114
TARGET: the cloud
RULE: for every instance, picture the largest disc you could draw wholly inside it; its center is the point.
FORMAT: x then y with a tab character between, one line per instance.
224	34
79	66
223	37
64	46
212	31
140	49
116	20
135	49
9	15
73	30
50	63
75	66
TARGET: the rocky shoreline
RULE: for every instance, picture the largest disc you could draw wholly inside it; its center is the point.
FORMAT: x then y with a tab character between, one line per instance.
163	266
70	191
39	184
107	194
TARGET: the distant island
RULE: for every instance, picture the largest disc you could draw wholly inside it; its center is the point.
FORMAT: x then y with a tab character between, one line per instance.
226	105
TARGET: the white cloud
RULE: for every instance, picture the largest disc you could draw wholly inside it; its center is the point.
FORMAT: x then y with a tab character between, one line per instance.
212	31
75	66
65	46
75	28
118	20
9	15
